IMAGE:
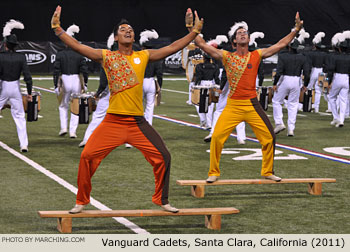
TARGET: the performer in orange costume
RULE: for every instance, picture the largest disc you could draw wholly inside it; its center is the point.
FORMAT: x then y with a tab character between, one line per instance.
124	122
242	104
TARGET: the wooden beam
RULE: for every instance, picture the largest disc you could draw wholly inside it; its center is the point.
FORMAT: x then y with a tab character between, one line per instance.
198	186
64	218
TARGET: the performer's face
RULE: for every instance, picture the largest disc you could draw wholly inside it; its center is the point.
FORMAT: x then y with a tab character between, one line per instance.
242	36
125	34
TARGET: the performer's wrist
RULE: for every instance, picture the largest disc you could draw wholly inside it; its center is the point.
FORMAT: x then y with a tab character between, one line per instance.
196	31
59	31
296	30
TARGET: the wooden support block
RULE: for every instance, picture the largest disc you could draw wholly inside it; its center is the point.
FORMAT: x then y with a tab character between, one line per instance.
315	188
64	225
198	186
213	221
197	191
64	218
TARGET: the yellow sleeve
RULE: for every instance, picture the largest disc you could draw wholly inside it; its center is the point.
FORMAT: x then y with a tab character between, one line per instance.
260	53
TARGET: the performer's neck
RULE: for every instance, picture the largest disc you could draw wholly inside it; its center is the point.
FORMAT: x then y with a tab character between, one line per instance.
125	49
242	49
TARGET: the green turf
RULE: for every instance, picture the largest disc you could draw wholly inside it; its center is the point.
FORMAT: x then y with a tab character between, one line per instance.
125	180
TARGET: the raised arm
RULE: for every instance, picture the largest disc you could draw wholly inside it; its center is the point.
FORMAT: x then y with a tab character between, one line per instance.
179	44
267	52
87	51
200	42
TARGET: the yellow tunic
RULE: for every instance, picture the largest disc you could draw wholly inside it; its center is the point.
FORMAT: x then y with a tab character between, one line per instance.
125	78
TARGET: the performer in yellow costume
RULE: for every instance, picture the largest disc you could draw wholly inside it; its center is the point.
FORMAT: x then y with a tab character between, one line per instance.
242	104
124	122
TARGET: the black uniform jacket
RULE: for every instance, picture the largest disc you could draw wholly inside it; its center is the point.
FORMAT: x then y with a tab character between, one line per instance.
69	62
12	64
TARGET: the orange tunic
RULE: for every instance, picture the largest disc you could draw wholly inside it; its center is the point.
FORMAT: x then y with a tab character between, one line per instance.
241	73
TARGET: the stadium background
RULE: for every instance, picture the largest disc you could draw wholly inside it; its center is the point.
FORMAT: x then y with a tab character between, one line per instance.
97	19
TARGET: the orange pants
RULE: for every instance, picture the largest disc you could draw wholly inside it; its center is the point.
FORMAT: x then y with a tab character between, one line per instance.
237	111
116	130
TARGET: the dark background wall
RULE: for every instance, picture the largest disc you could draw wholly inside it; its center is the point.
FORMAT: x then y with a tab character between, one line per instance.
97	18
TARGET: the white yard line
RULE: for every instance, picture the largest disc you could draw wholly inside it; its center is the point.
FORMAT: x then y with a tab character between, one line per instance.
72	188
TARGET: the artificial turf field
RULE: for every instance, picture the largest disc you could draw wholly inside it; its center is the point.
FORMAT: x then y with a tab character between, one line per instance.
125	179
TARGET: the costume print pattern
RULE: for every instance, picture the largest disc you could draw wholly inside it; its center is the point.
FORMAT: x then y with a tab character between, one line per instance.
236	66
120	74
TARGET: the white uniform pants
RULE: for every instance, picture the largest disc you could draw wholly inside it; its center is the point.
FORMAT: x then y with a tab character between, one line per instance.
10	92
289	85
97	116
149	93
313	84
347	110
240	128
340	89
71	85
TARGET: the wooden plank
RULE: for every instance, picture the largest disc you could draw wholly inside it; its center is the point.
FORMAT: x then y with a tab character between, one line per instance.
137	213
255	181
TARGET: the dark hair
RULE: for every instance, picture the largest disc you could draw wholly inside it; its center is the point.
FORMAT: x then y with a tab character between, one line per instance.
122	21
235	34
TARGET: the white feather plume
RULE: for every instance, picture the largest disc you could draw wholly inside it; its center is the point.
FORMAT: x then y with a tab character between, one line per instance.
147	35
72	30
342	37
335	39
254	36
302	36
346	34
221	39
110	40
235	27
318	37
10	25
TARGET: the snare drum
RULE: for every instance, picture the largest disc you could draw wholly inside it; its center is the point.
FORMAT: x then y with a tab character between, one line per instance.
195	95
82	106
214	94
32	108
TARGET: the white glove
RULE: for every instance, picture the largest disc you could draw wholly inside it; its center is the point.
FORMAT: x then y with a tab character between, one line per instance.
85	87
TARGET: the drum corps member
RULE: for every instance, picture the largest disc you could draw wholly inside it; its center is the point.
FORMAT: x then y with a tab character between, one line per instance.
291	65
102	96
68	65
317	57
12	64
124	121
338	73
242	105
153	69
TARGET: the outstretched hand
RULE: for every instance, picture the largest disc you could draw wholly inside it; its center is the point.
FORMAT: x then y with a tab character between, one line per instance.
189	18
55	20
198	23
298	23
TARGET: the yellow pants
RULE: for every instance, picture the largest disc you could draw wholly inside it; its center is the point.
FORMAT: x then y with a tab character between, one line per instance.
235	112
